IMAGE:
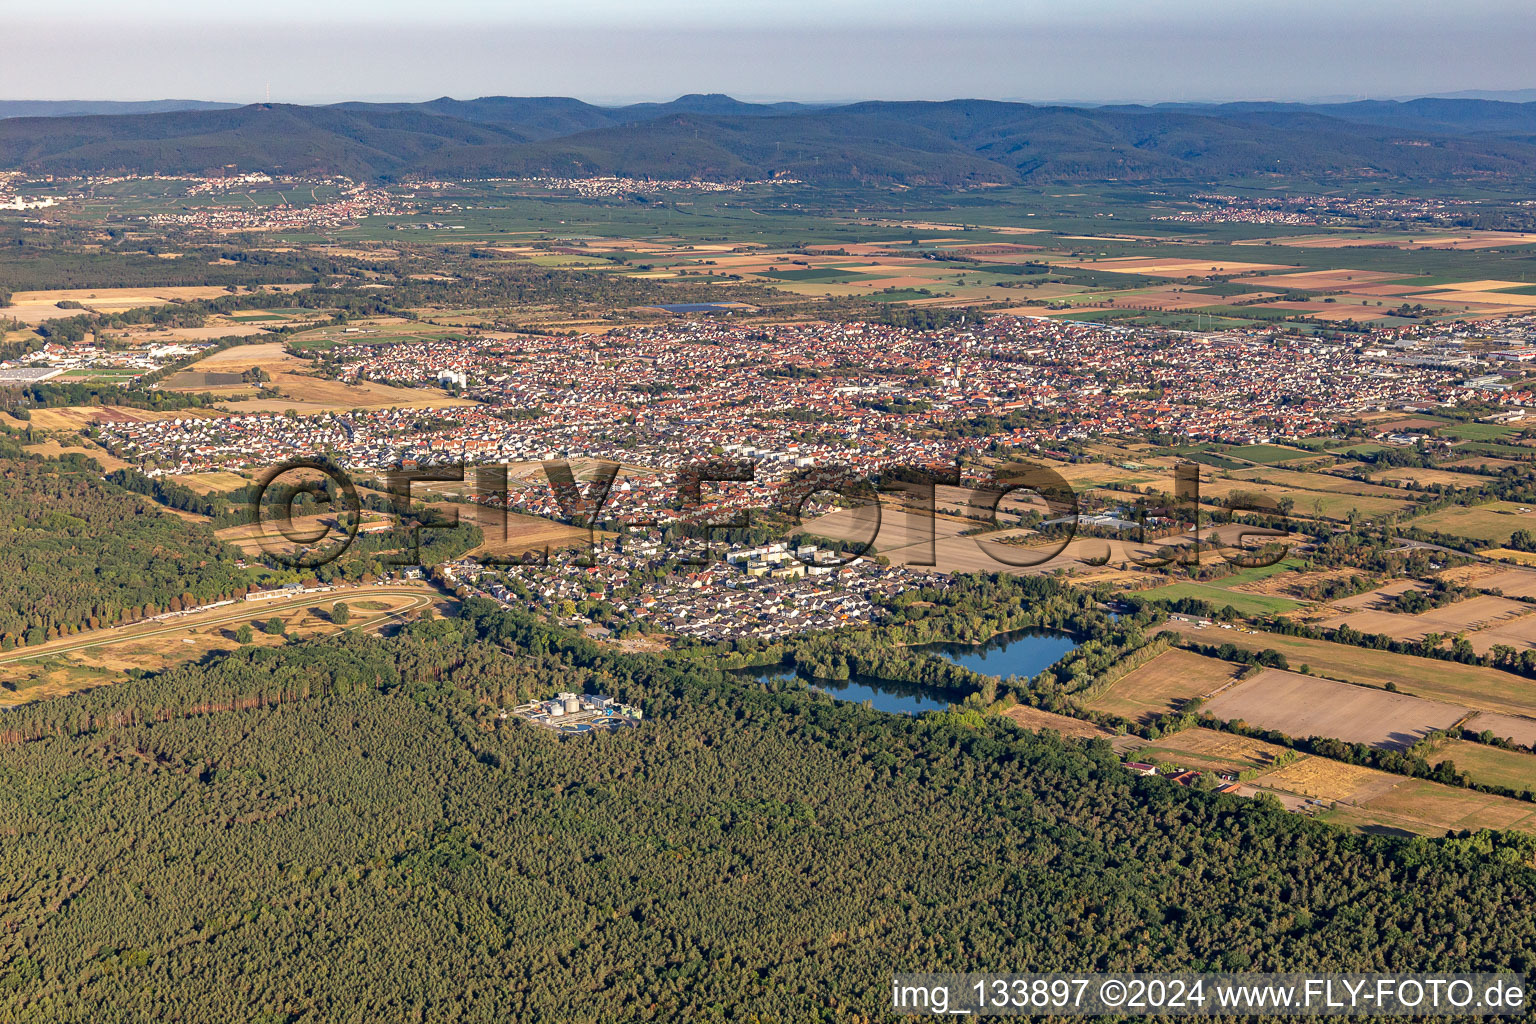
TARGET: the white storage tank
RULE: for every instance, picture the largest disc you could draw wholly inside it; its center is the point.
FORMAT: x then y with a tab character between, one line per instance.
556	709
572	704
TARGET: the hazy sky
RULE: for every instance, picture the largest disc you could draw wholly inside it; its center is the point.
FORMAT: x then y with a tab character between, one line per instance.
609	50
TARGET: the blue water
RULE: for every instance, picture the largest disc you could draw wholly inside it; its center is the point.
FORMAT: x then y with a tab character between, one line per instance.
882	694
693	307
1022	653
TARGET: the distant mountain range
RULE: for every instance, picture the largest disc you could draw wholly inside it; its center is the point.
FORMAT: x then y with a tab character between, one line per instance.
957	142
76	108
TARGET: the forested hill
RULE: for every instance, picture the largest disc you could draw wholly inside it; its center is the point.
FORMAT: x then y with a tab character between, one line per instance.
950	143
343	831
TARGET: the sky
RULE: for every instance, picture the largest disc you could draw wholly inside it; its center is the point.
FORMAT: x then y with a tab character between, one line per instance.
610	51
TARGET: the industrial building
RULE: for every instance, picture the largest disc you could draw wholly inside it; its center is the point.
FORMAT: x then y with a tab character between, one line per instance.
570	713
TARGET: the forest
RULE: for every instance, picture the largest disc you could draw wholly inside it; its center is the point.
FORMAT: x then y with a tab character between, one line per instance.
343	830
80	552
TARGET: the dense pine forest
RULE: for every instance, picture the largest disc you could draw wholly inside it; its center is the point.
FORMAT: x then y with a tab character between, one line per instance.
79	552
343	830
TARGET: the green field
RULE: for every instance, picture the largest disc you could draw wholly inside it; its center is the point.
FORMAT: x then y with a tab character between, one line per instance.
1490	766
1246	604
1266	453
1480	431
1493	523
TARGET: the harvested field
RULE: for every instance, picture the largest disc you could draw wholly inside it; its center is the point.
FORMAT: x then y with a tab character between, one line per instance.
1431	477
1323	779
35	307
296	387
1376	599
1037	720
1518	633
78	417
1476	613
1509	555
523	534
1165	684
1437	807
1505	727
1302	706
1156	267
1319	280
1471	686
1212	750
1510	582
208	483
53	450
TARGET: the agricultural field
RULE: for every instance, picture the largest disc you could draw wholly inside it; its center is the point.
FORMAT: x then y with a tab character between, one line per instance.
1221	596
1491	524
1375	801
1164	684
1470	686
1507	581
1474	614
1037	720
1516	728
1211	750
1301	706
516	535
1489	766
53	449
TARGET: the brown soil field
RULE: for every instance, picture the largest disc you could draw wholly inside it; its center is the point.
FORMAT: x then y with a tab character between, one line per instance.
53	449
1430	477
523	534
1320	280
1511	582
1211	749
1519	633
1508	727
1173	268
1034	718
302	392
1322	779
1163	684
77	417
1291	584
249	537
1302	706
1471	686
1375	599
1503	299
35	307
1474	614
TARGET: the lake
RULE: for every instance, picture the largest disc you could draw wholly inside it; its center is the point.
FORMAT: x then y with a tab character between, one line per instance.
1022	653
882	694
